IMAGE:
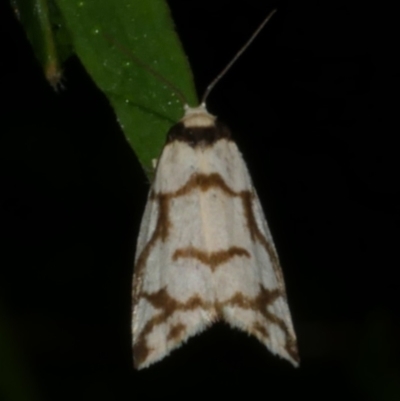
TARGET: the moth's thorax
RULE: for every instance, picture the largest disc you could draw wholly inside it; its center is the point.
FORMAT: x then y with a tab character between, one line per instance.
198	128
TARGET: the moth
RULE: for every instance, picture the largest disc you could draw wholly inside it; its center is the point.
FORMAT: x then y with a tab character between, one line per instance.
204	251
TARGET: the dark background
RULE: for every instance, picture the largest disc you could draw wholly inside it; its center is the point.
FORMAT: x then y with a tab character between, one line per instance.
313	105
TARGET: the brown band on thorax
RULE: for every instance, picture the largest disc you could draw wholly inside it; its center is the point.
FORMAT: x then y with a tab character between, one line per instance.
199	135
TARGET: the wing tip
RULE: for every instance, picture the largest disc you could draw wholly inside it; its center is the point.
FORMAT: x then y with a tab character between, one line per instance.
146	355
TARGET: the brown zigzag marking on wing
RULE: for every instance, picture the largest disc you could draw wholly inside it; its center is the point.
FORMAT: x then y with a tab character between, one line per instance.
168	305
255	233
260	303
212	259
176	332
203	182
161	231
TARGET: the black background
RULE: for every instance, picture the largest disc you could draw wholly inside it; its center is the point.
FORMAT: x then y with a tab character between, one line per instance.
313	105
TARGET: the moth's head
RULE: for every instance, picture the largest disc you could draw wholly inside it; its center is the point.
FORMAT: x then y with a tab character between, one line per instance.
197	117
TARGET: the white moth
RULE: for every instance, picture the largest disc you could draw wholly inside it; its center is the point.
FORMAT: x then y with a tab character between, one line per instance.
205	252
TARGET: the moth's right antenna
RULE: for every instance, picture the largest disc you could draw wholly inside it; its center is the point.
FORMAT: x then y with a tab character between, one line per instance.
238	54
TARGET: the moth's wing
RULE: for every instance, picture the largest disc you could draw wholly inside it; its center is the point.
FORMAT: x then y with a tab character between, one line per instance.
172	296
205	252
250	290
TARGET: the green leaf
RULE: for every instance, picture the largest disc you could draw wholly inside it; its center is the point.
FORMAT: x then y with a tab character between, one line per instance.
45	30
145	106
